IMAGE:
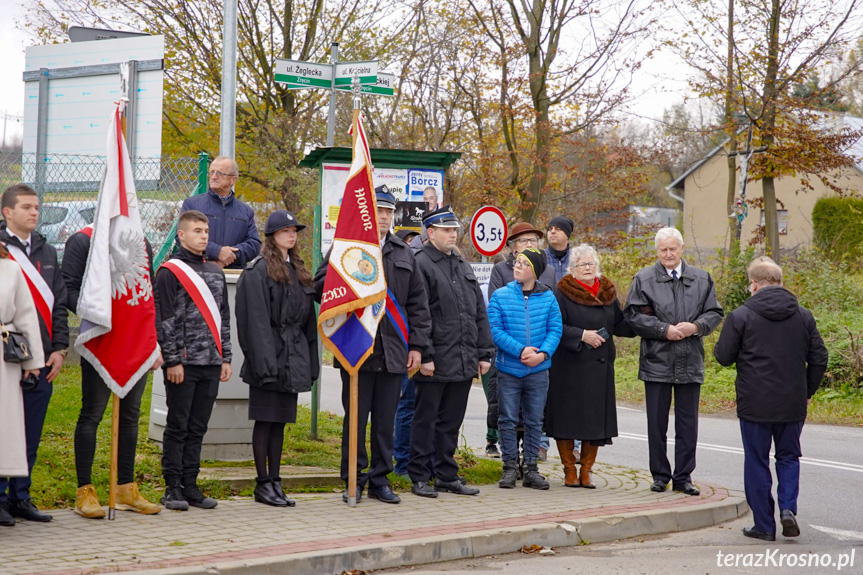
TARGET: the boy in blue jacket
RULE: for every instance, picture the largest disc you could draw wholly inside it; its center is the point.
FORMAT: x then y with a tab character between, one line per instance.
526	327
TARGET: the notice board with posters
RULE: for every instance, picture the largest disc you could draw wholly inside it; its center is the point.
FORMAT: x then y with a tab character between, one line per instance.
413	177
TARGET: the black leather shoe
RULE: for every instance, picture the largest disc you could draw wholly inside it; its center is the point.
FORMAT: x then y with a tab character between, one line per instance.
756	534
264	493
789	523
280	491
456	487
6	519
384	494
26	510
687	488
659	486
423	489
359	494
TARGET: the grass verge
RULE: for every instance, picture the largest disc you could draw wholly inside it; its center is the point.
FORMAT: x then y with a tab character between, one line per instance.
55	480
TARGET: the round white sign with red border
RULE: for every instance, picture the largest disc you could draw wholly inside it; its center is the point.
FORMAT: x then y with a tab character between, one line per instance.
488	230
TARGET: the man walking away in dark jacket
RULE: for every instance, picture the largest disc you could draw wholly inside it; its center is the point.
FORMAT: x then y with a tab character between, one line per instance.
234	239
401	337
461	348
193	327
781	360
672	306
38	261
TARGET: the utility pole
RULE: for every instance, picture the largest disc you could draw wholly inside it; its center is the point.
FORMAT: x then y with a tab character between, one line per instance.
228	127
740	210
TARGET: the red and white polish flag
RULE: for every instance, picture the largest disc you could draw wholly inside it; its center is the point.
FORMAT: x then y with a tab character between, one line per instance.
117	310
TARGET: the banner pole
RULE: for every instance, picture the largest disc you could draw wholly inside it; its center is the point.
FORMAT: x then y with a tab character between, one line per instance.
352	438
115	411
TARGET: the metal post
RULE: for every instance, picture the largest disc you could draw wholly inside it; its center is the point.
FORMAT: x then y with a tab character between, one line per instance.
41	133
203	164
331	119
131	107
229	81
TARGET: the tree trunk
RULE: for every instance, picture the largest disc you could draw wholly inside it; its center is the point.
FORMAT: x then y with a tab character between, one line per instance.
731	129
768	128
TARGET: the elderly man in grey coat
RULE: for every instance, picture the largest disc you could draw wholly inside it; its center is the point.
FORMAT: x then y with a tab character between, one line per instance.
672	306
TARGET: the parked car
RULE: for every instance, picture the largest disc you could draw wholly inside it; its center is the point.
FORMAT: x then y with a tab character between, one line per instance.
59	220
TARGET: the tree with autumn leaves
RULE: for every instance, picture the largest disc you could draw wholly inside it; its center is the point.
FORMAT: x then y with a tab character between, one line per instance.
753	56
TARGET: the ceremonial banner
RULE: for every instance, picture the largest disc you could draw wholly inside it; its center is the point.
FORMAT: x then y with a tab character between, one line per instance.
355	290
117	310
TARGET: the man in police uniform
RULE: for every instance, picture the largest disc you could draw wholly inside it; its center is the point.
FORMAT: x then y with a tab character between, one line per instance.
395	353
460	349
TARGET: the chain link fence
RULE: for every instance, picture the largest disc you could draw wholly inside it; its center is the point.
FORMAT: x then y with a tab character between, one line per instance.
68	187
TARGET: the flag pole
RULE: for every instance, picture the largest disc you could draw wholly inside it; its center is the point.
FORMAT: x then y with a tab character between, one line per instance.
115	402
354	382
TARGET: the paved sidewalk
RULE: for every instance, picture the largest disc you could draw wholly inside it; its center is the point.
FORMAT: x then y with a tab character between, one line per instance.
322	535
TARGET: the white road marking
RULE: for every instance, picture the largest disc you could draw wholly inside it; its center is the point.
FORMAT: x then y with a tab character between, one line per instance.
840	533
739	451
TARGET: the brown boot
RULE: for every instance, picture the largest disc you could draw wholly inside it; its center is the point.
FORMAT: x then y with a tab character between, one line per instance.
588	456
129	499
567	457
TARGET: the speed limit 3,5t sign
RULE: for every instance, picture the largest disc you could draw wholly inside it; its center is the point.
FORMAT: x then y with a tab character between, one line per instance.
488	230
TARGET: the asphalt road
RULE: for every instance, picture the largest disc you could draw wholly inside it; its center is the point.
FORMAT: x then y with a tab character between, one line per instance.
830	506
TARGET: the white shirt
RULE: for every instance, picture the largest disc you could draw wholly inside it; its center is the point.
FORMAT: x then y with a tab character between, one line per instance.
24	241
678	269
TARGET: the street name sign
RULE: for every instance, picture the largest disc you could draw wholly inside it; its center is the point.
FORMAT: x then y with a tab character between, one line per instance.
298	74
385	85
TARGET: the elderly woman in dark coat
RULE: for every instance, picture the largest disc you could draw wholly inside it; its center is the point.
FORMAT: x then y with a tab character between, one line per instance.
581	403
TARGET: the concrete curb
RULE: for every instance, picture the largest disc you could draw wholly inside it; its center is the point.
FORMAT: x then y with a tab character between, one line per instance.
480	543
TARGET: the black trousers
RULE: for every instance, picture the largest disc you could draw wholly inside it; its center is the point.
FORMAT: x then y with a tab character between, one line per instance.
190	404
35	408
95	396
378	395
439	413
658	404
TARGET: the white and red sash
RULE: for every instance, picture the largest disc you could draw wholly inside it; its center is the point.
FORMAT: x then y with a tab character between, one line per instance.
87	231
43	297
201	295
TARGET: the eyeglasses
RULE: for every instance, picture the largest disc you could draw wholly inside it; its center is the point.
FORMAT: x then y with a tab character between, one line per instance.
527	241
218	174
521	264
585	265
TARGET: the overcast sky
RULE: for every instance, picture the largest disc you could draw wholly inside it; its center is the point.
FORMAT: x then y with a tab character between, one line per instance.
660	82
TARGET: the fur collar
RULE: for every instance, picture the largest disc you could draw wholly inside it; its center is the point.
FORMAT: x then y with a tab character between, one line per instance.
574	291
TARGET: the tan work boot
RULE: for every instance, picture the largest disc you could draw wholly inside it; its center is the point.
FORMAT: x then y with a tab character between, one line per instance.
87	503
129	499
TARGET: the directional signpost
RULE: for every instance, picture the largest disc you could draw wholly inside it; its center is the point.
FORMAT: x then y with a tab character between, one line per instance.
297	74
385	86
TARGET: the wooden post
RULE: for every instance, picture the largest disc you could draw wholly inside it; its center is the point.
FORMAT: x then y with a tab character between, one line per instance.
115	436
115	411
354	391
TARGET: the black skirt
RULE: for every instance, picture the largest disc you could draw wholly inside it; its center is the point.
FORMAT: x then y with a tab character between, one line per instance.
274	406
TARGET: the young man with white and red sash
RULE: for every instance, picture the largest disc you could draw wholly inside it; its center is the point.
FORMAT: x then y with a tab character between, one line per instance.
193	326
400	339
38	262
95	395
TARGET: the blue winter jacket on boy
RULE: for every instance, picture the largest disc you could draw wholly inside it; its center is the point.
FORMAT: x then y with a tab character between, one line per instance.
518	322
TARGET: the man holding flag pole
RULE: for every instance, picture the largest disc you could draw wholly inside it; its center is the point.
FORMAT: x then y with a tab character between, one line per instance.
118	314
354	299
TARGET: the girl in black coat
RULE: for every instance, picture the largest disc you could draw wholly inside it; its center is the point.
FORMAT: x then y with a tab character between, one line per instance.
277	332
581	402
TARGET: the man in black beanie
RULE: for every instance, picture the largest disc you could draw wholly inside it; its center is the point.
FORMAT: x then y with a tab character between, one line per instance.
558	232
